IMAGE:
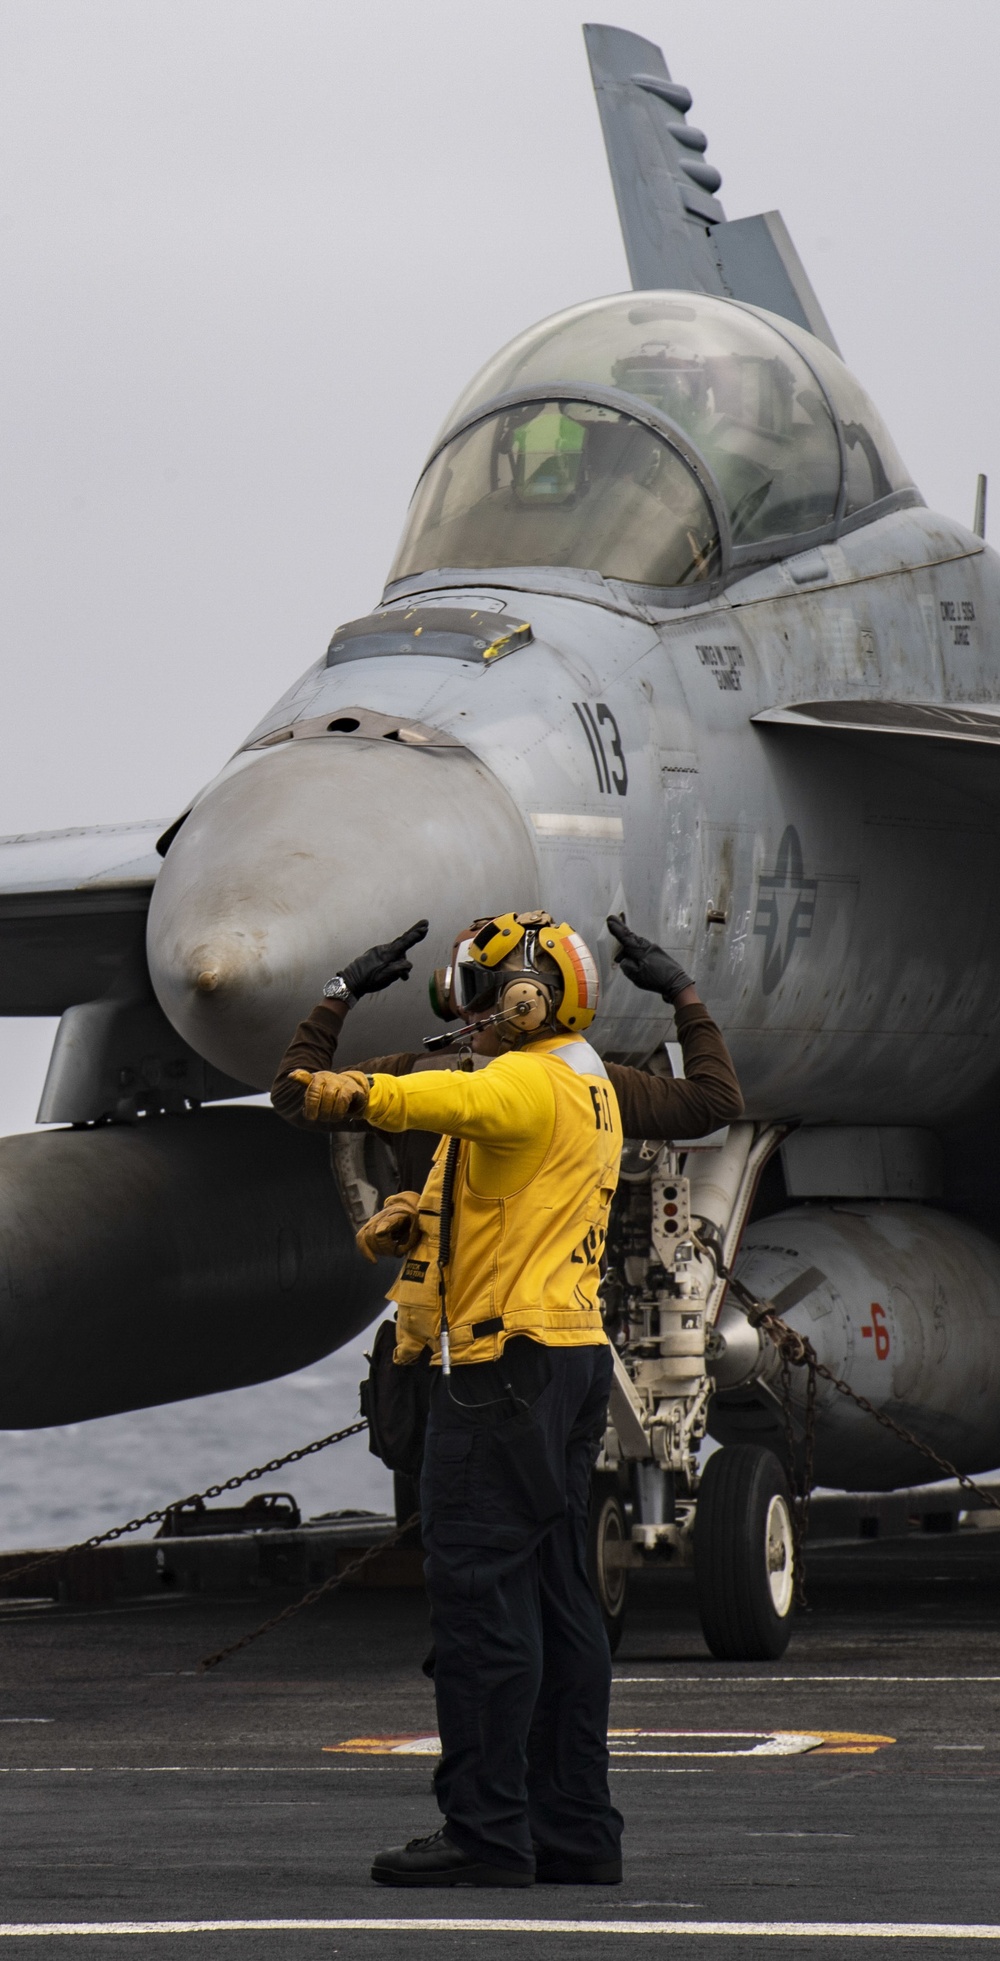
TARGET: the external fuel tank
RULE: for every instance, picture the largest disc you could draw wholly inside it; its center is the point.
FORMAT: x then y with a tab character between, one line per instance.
902	1302
148	1262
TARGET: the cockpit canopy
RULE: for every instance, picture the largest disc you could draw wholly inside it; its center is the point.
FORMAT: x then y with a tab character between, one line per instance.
660	439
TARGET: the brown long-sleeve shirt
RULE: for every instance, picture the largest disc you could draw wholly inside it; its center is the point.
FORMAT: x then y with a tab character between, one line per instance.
651	1106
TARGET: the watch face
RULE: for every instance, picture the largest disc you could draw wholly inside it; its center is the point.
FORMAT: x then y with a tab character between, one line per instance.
336	989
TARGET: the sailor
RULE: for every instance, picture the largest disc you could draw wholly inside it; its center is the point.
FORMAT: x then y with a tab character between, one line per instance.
523	1175
657	1106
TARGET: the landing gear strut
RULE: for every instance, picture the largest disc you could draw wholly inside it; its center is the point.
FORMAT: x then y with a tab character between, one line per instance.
673	1237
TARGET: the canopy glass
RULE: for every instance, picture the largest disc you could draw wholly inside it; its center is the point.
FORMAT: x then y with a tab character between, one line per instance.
769	408
562	483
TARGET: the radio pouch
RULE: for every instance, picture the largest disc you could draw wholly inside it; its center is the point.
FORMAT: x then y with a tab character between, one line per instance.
395	1399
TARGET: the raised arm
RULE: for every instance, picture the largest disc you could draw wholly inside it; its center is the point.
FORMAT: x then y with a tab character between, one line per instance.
314	1043
709	1094
667	1107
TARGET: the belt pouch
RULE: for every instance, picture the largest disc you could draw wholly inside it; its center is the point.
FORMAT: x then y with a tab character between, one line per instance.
395	1398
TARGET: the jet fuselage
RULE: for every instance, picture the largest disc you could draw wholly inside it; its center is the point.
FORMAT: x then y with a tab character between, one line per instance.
833	893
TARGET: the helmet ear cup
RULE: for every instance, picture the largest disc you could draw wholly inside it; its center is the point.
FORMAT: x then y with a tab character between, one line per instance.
532	1002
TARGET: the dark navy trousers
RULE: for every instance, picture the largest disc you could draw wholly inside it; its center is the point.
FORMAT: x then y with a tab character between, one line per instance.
523	1670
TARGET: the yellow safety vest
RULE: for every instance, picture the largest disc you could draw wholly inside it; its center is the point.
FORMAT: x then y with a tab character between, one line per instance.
527	1263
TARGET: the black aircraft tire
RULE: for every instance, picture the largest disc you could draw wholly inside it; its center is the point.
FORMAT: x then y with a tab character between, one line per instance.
743	1555
606	1527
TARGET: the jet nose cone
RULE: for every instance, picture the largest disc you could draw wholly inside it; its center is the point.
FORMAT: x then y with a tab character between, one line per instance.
226	961
298	858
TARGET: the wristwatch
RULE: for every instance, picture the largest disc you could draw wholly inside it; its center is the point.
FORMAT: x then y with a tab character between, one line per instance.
338	990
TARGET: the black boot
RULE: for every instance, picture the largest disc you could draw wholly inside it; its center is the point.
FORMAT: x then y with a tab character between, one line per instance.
554	1869
436	1861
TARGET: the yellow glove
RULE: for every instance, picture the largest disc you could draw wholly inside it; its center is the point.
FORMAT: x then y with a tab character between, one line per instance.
392	1232
330	1097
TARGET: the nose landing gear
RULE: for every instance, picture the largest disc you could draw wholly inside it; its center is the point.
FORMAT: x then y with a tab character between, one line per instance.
672	1241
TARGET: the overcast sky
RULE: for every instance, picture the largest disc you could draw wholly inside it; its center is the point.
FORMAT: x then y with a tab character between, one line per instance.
252	249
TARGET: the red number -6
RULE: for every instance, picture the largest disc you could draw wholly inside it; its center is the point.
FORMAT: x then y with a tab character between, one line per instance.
880	1329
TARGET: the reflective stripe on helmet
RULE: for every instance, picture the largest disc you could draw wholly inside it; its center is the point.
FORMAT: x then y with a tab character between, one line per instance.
581	985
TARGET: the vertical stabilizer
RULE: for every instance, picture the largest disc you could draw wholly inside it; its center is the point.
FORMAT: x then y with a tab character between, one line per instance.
663	187
675	230
759	264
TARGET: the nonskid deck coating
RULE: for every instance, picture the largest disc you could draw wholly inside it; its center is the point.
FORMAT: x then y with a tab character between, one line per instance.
141	1798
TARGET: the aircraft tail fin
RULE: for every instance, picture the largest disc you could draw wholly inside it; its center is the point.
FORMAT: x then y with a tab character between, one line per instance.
675	230
663	187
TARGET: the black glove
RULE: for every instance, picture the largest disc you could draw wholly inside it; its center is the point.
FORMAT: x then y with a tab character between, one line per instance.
382	965
646	965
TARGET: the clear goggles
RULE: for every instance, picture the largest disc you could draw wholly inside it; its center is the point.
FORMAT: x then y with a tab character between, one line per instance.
473	987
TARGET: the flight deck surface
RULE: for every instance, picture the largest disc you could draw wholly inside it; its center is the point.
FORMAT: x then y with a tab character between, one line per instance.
853	1782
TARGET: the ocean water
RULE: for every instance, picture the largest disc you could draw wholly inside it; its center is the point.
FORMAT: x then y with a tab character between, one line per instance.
59	1486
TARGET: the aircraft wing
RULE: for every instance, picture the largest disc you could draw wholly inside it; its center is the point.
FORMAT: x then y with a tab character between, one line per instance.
73	910
942	721
675	230
947	742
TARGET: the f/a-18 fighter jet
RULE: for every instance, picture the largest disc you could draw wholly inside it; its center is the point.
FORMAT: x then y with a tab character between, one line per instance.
670	632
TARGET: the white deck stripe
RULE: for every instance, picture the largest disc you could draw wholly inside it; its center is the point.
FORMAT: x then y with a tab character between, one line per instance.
723	1681
824	1930
280	1770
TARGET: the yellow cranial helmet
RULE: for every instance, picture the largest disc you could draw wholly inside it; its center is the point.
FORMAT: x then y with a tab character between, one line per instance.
528	948
581	983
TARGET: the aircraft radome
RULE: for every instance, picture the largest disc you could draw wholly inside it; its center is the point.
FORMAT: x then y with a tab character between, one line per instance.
670	629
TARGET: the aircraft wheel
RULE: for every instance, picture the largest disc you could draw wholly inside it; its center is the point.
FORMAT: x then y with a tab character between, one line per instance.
743	1555
607	1540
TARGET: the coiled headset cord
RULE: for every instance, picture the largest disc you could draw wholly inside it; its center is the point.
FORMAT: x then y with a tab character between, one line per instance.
444	1245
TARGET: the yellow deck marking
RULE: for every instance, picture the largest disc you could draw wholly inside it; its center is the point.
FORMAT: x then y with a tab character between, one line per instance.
387	1746
626	1743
